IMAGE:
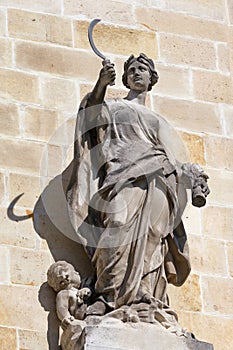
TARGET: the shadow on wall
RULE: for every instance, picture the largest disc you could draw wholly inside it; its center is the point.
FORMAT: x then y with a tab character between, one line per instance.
52	223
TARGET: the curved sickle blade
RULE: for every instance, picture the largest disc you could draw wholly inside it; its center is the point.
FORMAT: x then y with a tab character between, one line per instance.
90	30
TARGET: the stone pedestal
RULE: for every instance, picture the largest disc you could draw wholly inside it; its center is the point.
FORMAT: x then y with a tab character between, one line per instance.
139	336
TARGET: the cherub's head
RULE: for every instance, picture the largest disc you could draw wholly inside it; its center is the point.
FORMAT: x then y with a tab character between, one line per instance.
62	275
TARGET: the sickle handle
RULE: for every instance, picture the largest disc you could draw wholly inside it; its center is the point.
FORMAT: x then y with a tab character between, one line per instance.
104	62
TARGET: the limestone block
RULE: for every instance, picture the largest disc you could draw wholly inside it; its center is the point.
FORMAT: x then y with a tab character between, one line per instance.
4	265
137	337
39	27
59	94
18	307
9	121
2	187
228	113
29	185
221	184
8	338
193	116
218	150
2	22
114	11
21	155
62	61
223	55
19	86
40	124
207	255
5	53
37	6
186	297
28	266
172	81
178	23
212	87
55	160
180	50
217	295
230	10
59	30
221	226
214	9
19	233
195	145
212	329
35	340
116	40
27	25
230	257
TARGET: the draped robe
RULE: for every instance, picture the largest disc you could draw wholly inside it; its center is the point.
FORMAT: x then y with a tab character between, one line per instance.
123	201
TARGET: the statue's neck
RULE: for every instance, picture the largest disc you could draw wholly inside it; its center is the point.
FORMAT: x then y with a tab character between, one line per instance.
137	96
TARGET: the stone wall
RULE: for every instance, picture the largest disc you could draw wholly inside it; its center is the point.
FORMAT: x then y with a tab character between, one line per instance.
46	66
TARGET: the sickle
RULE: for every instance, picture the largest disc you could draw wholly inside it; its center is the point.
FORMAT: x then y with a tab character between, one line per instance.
90	30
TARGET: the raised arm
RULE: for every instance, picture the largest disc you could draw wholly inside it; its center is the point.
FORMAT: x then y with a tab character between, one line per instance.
107	76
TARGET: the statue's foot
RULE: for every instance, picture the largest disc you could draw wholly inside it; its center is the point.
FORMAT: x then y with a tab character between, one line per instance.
97	309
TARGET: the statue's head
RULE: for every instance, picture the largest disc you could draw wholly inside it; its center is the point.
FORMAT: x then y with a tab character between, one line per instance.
142	58
61	275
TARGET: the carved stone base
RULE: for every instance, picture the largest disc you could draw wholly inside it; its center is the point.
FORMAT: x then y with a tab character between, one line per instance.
116	335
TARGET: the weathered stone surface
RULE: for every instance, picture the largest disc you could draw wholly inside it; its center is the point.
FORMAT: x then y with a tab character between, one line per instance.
21	155
40	5
193	116
114	11
207	255
29	185
192	219
137	337
221	184
230	9
187	297
212	87
13	89
228	112
116	40
180	50
60	94
8	338
2	188
16	233
4	265
230	257
195	145
62	61
3	22
172	81
5	53
40	124
217	152
15	310
39	27
217	295
221	226
213	9
179	23
9	121
35	340
29	267
223	55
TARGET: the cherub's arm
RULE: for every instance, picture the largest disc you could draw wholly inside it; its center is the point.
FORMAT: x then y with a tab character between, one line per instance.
62	305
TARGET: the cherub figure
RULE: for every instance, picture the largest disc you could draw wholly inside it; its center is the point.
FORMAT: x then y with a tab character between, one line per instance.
70	300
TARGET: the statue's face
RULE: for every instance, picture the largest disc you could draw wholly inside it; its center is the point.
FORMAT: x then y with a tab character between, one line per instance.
138	76
64	276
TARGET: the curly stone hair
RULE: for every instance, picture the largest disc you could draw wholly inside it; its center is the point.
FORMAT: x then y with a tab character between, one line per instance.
145	60
52	274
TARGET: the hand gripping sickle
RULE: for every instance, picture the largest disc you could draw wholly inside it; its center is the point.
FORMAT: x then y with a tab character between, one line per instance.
94	48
